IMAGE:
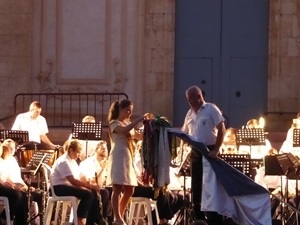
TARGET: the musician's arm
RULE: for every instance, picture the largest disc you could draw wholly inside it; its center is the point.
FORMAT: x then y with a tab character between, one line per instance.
47	141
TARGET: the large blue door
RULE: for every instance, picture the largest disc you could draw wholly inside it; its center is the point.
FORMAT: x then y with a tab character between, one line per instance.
222	46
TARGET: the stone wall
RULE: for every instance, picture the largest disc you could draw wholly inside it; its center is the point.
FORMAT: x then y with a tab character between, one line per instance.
159	63
284	62
29	50
39	50
15	51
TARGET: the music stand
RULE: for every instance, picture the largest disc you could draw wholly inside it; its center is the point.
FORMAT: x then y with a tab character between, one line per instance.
250	137
184	170
239	161
87	131
290	166
296	137
36	161
19	136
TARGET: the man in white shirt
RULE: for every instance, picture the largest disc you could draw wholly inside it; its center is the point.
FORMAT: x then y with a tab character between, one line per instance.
10	174
36	126
93	169
205	123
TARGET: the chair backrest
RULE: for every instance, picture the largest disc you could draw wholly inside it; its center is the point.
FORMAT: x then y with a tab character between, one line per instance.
47	172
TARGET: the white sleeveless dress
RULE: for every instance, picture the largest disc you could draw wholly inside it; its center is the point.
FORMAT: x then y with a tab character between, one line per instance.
120	169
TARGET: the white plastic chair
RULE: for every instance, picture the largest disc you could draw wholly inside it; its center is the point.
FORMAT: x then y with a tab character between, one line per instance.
65	201
5	203
138	203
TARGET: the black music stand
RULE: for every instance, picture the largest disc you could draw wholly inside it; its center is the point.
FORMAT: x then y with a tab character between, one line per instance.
19	136
296	137
282	164
240	162
87	131
39	157
290	166
184	170
250	137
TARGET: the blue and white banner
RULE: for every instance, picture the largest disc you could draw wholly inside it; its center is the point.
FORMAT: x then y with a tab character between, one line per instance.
229	192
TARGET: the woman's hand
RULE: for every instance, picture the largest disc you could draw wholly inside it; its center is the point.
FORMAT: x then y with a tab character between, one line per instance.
149	116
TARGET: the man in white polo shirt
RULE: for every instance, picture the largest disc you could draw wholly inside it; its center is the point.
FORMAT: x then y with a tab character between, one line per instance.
205	123
36	126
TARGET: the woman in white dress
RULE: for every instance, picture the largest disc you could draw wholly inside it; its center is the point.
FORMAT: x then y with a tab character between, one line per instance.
121	173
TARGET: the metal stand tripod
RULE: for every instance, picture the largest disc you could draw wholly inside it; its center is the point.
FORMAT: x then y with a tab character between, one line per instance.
184	216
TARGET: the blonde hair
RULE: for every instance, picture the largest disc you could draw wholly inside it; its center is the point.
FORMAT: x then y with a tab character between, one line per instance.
8	147
88	119
9	143
253	122
73	144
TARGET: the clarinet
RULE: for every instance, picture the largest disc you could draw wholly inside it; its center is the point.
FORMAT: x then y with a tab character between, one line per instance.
44	200
28	201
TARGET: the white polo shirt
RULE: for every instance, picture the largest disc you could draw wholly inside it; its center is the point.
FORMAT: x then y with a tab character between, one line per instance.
89	167
35	127
64	166
202	125
10	169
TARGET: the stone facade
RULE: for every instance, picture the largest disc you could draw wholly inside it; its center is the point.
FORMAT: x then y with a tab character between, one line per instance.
15	51
137	40
284	61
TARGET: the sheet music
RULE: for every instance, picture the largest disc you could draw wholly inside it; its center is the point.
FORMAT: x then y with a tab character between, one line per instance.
19	136
87	131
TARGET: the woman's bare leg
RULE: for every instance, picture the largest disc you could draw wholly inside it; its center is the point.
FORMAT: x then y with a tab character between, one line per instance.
115	201
81	221
128	192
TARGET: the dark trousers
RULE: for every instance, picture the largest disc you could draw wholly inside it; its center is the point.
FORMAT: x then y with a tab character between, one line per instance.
17	204
197	175
197	178
167	203
105	198
86	197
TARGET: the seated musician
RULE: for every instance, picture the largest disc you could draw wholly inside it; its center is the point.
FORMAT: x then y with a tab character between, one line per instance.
256	151
11	175
287	145
65	178
17	200
36	126
93	170
168	202
229	142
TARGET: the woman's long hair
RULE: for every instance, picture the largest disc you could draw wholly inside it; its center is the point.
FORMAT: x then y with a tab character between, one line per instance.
115	107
